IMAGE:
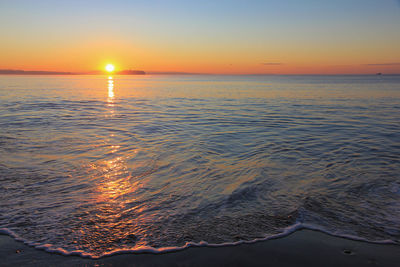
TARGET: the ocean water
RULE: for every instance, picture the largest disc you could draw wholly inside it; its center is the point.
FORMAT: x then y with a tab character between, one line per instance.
95	165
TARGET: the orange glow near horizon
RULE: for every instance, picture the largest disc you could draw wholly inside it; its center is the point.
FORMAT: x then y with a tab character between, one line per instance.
95	54
216	65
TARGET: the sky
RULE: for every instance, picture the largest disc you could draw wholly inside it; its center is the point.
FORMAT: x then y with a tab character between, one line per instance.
209	36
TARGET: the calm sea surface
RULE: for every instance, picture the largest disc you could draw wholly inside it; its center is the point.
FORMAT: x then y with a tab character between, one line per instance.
98	164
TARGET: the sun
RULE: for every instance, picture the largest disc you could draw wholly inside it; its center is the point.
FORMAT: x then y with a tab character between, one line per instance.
110	67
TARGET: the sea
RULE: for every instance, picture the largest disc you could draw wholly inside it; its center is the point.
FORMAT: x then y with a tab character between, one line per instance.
97	165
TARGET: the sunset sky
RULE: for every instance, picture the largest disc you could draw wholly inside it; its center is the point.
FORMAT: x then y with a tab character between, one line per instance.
218	36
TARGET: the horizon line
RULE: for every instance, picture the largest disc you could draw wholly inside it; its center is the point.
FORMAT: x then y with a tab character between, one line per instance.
141	72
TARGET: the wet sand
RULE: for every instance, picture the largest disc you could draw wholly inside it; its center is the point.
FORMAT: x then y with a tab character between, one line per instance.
302	248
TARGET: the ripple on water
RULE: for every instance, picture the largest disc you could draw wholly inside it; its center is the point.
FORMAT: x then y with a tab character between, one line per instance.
166	168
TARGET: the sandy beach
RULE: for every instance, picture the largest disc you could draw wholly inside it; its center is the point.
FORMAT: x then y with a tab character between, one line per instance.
302	248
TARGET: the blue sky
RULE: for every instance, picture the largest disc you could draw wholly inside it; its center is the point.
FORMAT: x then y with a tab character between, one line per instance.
326	32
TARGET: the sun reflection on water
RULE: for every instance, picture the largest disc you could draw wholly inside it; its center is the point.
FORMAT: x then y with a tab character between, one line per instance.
110	90
116	180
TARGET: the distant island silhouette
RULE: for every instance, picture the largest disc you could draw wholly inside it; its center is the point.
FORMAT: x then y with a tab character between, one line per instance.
131	72
43	72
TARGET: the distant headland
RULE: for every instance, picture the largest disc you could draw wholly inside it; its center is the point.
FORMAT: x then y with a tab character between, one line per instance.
43	72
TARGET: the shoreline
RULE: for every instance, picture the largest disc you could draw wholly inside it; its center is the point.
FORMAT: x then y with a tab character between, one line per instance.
303	247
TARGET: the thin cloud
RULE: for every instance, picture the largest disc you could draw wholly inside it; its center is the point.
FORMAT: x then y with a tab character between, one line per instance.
272	63
384	64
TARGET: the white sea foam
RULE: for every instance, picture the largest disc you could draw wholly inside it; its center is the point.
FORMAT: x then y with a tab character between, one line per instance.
147	249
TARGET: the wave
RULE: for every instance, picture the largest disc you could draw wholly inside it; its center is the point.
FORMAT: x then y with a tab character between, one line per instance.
148	249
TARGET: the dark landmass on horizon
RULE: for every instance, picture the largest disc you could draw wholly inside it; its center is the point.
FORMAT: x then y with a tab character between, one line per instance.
43	72
177	73
35	72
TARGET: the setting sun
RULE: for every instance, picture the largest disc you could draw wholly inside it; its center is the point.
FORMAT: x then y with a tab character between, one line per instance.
110	67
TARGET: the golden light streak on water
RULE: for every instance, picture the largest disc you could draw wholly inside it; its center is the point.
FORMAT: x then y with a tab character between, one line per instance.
110	90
